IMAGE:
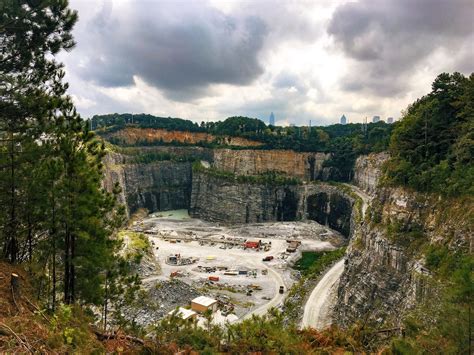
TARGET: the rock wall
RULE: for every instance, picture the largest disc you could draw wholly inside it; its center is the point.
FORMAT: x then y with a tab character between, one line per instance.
381	279
378	283
165	185
306	166
384	274
368	170
228	201
156	186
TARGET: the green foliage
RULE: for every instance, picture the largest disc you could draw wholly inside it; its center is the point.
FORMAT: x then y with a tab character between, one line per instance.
151	157
433	146
345	142
435	256
269	334
442	322
307	259
271	178
327	258
69	329
312	265
410	235
57	218
137	245
114	122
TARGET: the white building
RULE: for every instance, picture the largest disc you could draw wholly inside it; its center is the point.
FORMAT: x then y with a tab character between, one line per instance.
184	313
202	303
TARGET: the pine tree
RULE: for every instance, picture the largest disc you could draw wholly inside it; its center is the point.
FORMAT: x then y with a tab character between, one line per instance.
57	215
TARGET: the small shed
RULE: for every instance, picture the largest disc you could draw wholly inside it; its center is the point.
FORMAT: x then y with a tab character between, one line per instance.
202	303
184	313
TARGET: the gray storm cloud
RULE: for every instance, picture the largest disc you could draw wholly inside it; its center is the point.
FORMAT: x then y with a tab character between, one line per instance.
389	38
181	49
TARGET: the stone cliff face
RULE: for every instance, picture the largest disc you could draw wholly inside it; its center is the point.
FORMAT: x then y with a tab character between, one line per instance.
222	200
384	274
305	166
367	171
156	186
379	282
164	185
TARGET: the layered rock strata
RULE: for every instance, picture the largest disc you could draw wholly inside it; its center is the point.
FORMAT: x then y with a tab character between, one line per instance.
167	184
305	166
368	170
229	201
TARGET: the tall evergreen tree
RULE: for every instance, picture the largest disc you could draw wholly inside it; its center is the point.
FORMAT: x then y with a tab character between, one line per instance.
56	215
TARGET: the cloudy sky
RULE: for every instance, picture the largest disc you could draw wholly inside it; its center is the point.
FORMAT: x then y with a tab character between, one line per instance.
303	60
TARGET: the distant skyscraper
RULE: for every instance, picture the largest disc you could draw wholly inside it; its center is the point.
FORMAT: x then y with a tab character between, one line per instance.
343	119
364	127
375	119
271	120
390	120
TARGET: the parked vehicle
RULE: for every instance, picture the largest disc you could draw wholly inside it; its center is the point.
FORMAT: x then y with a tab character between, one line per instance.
268	258
282	289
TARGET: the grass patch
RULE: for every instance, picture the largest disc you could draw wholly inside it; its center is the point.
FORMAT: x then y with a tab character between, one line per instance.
137	245
313	263
316	263
308	258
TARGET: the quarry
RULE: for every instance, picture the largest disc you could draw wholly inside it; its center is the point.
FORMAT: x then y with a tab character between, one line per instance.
247	268
150	207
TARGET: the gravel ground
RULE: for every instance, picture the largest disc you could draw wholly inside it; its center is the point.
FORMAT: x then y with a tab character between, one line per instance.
174	232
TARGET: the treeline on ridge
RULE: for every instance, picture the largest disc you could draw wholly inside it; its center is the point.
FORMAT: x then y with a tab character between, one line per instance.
373	137
345	142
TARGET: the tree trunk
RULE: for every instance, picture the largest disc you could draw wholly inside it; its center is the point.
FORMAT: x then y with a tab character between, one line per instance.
53	242
10	251
30	238
15	284
66	266
72	274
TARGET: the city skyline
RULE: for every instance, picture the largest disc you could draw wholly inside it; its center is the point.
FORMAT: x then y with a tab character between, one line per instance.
320	59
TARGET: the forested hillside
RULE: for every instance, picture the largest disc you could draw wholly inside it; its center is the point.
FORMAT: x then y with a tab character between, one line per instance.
374	137
433	146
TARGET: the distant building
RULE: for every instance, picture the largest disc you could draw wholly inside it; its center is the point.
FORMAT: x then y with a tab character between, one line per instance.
390	120
292	125
202	303
375	119
271	120
343	119
252	244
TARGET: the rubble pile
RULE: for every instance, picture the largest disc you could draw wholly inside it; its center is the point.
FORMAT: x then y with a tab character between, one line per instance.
163	297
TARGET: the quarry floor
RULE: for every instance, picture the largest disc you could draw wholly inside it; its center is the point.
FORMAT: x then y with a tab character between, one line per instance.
174	232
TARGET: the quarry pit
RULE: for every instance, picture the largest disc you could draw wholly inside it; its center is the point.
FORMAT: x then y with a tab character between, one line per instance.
226	262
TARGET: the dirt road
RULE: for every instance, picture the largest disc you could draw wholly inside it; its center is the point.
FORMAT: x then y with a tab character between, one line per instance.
317	311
